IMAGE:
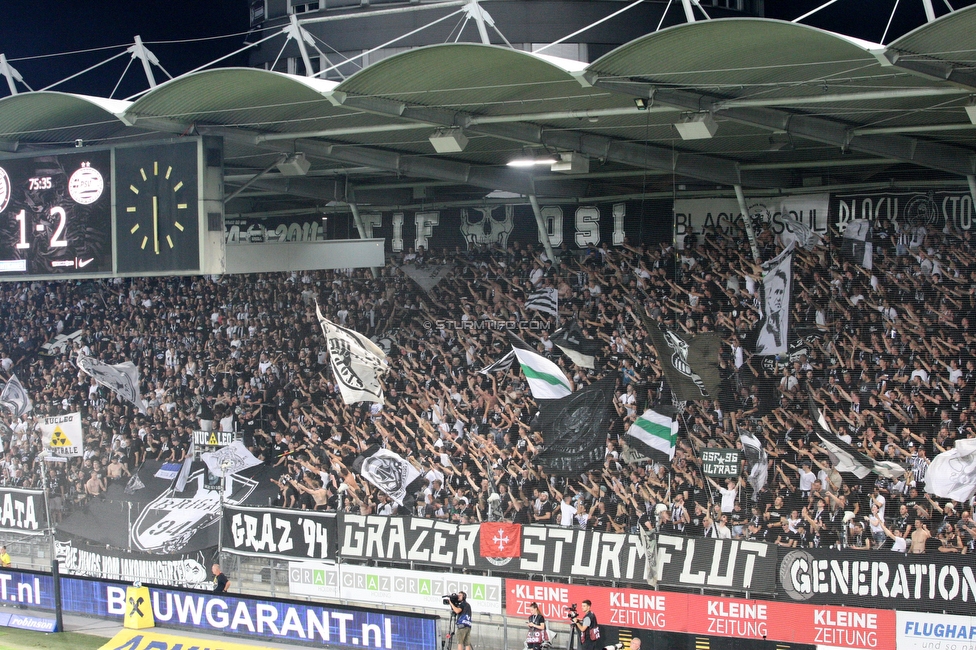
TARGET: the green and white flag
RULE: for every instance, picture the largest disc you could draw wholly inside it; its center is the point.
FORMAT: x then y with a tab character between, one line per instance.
654	435
546	379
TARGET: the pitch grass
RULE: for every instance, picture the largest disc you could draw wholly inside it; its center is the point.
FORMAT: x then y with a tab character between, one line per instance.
14	639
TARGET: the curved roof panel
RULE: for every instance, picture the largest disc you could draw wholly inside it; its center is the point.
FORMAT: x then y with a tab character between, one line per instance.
482	78
740	56
942	38
57	118
238	96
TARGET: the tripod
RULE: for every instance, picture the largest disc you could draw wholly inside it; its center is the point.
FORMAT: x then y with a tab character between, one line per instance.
573	633
448	641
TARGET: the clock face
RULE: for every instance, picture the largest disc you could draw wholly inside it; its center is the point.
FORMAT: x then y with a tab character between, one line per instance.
157	214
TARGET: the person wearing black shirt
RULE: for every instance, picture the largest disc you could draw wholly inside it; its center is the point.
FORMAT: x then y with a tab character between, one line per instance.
462	609
588	628
221	583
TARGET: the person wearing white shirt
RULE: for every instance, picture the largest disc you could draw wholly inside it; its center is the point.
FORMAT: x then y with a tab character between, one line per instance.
566	512
729	494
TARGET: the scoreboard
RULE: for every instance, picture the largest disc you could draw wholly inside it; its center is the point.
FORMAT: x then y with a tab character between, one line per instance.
56	214
100	212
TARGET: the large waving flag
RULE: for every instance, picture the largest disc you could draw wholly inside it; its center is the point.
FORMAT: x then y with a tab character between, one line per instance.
546	379
14	397
575	428
952	474
654	434
845	456
357	363
120	378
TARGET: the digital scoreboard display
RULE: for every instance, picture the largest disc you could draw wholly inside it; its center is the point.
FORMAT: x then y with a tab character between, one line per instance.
56	214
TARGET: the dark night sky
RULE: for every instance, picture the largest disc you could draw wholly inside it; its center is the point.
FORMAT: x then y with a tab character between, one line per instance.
30	28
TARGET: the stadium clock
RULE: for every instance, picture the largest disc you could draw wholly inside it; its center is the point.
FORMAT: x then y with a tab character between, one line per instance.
56	215
157	211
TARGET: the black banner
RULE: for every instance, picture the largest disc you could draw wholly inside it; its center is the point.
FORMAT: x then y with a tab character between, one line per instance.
279	533
706	563
577	225
551	551
191	570
930	582
721	463
22	511
151	516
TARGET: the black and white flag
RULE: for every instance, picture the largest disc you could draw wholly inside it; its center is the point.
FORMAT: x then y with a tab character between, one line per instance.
545	300
15	399
690	364
776	287
390	473
502	365
120	378
575	428
857	246
576	346
845	456
800	234
357	363
756	458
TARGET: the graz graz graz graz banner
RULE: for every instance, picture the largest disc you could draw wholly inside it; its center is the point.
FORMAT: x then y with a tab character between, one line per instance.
886	580
278	533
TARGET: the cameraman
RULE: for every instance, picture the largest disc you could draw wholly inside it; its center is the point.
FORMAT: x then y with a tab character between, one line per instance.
462	609
589	629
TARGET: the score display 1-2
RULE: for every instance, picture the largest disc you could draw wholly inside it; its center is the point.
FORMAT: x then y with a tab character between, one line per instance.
56	214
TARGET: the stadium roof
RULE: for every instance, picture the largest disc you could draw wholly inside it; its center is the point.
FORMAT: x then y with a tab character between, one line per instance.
795	108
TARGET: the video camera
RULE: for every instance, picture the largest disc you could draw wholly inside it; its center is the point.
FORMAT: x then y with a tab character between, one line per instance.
452	599
572	614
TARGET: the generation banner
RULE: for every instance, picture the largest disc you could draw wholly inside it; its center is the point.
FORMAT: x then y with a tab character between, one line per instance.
23	512
392	587
708	216
642	609
932	208
279	533
922	583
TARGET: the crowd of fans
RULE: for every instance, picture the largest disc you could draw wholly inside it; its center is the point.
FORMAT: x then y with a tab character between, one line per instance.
886	353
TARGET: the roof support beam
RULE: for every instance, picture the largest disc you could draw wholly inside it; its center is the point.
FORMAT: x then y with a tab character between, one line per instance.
933	68
486	177
715	170
933	155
